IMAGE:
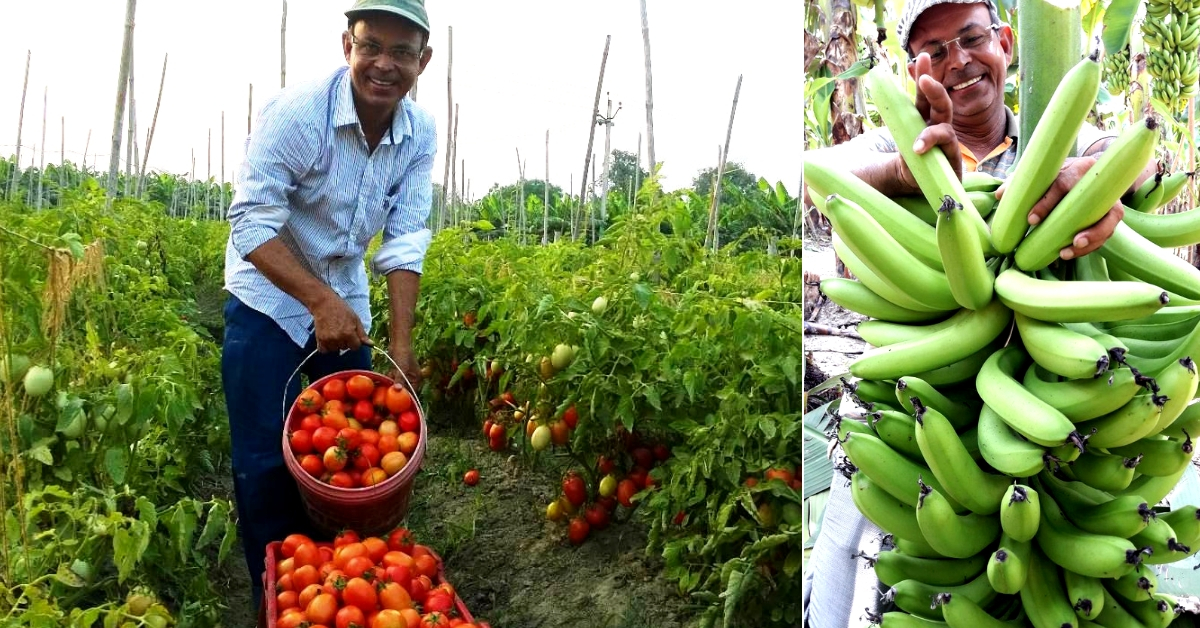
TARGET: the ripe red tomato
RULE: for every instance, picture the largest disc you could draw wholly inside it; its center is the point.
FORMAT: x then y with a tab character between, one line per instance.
303	576
388	443
306	554
571	417
643	457
360	387
341	479
574	489
471	478
487	428
409	421
426	565
349	438
350	616
751	482
401	540
578	530
292	618
596	516
334	389
438	601
324	438
398	573
497	443
796	484
626	489
364	410
376	548
322	609
335	459
435	619
310	400
605	465
398	399
638	475
497	431
300	442
419	587
369	436
360	593
609	503
369	453
661	452
781	473
291	542
679	517
357	566
310	423
335	419
560	434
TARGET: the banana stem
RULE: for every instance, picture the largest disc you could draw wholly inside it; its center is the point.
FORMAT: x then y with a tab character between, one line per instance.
1050	42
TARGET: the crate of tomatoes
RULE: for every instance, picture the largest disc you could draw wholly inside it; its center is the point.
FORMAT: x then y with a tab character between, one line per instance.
373	582
354	441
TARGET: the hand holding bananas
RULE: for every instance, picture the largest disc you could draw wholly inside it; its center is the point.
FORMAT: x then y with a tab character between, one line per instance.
1027	413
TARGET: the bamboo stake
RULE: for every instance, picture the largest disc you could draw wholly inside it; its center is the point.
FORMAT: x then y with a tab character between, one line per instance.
153	124
453	163
604	180
520	208
574	207
649	90
592	120
62	156
20	127
637	176
114	159
450	116
223	208
132	130
462	194
716	203
546	190
42	161
208	179
283	48
87	144
249	108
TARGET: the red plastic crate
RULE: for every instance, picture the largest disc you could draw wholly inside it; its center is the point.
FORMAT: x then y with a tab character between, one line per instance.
267	611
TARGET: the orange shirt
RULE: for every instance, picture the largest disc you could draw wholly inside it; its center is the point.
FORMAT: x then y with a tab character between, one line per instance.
970	163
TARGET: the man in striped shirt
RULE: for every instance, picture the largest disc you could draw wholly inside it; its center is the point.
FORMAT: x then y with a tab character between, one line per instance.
331	165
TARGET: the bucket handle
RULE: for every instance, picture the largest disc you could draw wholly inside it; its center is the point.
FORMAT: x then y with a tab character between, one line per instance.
288	383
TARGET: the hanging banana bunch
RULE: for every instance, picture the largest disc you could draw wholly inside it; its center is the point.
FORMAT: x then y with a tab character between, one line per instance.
1171	31
1117	71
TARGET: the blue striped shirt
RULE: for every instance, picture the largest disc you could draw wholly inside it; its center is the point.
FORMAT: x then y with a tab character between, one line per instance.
309	179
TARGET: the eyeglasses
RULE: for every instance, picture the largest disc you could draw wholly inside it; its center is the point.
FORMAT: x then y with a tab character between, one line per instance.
973	39
370	50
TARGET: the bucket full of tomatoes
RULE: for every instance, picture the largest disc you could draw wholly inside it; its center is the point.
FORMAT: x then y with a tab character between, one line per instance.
354	441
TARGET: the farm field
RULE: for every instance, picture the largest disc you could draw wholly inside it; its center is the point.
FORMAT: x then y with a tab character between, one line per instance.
683	373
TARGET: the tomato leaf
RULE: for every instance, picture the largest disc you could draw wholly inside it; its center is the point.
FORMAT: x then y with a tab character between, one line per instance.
651	395
42	454
227	542
147	512
791	564
128	546
116	462
65	576
182	524
214	525
124	404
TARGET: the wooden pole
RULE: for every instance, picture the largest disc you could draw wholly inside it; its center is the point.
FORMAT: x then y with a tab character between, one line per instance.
114	159
20	127
587	160
132	130
42	155
574	207
62	156
546	195
637	176
521	221
649	90
462	193
716	202
283	48
249	108
208	179
453	155
86	144
608	124
222	207
153	123
450	116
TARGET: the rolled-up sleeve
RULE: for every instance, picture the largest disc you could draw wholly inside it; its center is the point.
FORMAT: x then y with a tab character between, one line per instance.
405	237
278	153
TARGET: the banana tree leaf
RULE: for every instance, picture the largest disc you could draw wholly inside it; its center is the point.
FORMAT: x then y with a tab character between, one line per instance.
1183	577
818	468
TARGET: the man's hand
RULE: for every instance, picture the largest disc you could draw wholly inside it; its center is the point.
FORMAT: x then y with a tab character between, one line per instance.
1069	176
933	102
403	355
337	327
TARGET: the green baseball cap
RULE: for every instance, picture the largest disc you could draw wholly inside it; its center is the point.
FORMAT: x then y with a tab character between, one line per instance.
412	10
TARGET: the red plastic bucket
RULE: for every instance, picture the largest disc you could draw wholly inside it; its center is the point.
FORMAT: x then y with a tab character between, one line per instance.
373	510
269	609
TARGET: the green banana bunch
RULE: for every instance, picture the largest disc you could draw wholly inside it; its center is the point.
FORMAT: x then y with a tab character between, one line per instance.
1117	71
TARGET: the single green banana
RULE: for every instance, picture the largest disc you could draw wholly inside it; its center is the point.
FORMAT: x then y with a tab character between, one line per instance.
1085	593
1152	489
882	333
961	612
1188	347
979	181
1160	456
951	534
962	257
1031	417
1078	301
1138	586
1148	195
1060	350
960	415
960	371
984	202
1091	198
1004	450
1185	521
1150	348
877	284
911	232
1157	612
1141	258
890	470
898	619
872	391
1020	512
972	333
916	597
1131	422
1161	538
886	511
1186	424
1048	147
918	206
1166	230
857	297
920	550
884	255
1091	268
953	465
1083	399
847	426
1104	471
1113	615
1168	314
898	430
1096	555
1043	596
894	566
1122	516
1009	565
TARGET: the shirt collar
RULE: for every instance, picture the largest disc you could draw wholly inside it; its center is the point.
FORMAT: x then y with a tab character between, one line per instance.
345	114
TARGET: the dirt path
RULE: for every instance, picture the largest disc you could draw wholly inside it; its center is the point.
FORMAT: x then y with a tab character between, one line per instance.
831	354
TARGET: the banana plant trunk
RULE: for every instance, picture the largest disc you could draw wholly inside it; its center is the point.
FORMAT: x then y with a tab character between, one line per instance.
1050	41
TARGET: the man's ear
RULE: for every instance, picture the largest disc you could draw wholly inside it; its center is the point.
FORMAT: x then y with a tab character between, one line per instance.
1006	42
346	45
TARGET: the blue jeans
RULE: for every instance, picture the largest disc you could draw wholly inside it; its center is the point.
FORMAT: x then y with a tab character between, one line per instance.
256	361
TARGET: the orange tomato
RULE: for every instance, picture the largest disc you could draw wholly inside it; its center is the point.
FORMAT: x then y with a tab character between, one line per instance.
304	576
411	617
284	583
398	399
379	398
376	548
335	419
393	462
369	436
360	387
360	593
322	609
343	554
373	476
350	616
780	474
407	442
310	400
285	566
398	558
287	599
334	405
334	389
392	595
426	565
311	591
292	618
291	542
389	618
357	566
435	620
388	443
307	554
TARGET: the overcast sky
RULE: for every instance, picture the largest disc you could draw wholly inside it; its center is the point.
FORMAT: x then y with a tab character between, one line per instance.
520	69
